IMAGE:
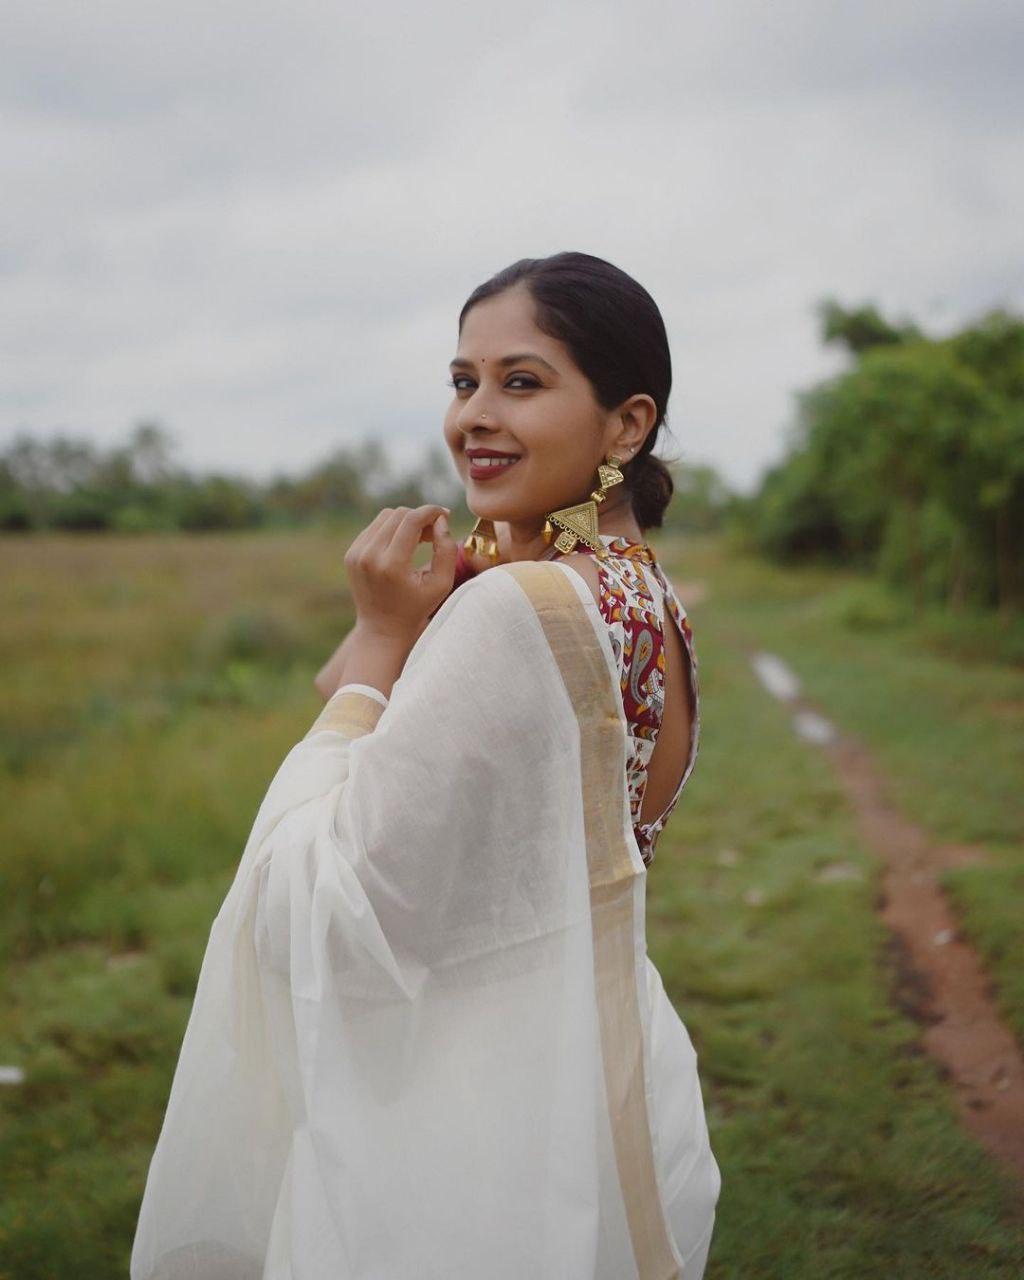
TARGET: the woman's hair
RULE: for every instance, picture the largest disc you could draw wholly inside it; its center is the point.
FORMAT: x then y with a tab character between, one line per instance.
614	332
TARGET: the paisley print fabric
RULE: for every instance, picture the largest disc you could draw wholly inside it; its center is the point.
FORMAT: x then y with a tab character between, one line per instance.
634	596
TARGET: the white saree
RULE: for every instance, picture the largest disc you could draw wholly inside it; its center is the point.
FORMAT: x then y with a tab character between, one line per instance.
427	1042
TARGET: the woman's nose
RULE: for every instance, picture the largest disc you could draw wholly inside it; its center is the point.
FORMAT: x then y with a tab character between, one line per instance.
472	416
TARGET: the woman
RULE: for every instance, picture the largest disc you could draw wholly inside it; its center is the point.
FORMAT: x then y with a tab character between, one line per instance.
427	1040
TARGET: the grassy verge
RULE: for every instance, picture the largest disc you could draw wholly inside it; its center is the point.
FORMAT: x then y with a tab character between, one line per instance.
937	701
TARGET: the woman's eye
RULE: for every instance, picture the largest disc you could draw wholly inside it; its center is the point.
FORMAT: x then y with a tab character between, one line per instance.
526	383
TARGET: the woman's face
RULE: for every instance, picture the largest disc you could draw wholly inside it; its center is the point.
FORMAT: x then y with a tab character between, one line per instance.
518	394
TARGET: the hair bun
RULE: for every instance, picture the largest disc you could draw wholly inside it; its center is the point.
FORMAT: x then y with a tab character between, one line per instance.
651	486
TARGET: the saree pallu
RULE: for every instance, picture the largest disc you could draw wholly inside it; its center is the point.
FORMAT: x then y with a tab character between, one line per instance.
427	1042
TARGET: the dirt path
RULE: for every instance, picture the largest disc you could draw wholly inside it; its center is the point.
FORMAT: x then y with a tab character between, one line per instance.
941	981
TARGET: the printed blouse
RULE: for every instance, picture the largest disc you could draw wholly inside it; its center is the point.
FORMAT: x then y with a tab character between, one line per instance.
634	597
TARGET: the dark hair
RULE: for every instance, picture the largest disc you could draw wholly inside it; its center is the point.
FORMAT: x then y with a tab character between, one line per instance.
614	332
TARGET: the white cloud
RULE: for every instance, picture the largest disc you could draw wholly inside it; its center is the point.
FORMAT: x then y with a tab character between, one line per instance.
258	223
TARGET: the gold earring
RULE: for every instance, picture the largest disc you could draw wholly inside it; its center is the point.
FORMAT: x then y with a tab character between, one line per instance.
579	523
483	539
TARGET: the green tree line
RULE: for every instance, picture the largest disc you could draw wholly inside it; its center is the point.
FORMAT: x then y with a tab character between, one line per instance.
135	487
909	463
73	485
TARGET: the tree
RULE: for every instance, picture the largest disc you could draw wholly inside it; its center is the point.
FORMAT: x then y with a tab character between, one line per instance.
860	328
912	461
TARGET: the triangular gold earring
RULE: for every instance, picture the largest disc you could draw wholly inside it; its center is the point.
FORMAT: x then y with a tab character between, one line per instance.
482	539
579	523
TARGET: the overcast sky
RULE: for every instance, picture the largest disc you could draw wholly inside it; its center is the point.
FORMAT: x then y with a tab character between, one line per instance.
257	222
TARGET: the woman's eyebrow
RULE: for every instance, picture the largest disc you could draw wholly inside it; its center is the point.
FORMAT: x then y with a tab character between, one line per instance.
460	363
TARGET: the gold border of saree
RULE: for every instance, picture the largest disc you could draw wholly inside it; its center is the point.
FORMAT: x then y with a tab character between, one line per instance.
352	714
613	888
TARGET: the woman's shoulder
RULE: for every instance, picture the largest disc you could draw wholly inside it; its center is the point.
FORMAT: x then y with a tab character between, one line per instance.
586	566
497	595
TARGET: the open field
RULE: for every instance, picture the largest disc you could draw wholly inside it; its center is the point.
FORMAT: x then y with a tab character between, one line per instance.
151	686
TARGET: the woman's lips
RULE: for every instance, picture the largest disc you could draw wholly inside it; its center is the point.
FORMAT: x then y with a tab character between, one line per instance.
490	468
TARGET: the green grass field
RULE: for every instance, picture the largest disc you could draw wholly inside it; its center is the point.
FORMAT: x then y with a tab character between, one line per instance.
151	686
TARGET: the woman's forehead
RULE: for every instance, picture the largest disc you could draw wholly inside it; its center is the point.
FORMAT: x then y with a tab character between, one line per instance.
505	325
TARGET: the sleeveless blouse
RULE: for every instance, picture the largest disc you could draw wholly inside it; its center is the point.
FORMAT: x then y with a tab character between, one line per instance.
635	596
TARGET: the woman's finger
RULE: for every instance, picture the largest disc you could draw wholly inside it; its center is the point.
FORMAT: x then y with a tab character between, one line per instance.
440	573
407	535
379	533
365	536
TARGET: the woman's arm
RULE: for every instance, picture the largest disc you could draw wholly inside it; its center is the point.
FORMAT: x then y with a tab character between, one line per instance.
363	658
330	677
375	658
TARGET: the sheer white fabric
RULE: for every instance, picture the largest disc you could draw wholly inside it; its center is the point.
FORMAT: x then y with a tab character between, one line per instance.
412	1052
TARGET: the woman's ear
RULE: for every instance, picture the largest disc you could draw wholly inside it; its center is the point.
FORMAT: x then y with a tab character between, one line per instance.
634	421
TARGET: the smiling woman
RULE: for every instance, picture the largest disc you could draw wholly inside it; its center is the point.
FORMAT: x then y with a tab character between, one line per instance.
427	1039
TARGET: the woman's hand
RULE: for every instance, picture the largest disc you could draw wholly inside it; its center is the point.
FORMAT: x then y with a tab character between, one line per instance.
393	600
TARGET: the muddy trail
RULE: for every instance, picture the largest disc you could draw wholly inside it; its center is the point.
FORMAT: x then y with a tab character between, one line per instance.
940	979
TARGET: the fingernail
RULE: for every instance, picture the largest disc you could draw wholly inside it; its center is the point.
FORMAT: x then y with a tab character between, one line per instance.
442	524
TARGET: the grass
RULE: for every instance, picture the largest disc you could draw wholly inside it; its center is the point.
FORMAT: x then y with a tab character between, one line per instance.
150	688
934	699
